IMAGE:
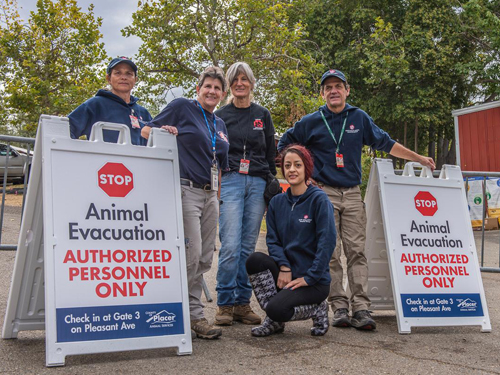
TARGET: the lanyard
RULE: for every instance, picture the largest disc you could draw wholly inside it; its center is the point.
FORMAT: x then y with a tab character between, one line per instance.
212	136
247	131
330	130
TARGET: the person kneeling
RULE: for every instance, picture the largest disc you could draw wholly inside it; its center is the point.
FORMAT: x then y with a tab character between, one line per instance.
293	281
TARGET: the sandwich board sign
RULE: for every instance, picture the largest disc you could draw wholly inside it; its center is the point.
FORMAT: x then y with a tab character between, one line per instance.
103	226
420	248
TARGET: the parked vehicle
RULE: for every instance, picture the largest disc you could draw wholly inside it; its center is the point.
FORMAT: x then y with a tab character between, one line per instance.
18	163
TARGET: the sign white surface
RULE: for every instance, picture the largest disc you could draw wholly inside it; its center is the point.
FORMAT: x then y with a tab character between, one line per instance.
430	248
115	268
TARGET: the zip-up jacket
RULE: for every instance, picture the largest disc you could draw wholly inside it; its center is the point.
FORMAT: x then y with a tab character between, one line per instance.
301	234
360	130
108	107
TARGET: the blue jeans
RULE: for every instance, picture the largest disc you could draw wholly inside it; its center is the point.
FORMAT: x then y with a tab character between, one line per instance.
239	224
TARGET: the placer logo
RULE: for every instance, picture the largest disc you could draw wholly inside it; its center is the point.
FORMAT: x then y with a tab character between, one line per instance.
162	317
115	179
305	219
352	126
467	304
425	203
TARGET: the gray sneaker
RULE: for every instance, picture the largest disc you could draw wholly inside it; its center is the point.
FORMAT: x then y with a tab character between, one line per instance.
363	320
341	318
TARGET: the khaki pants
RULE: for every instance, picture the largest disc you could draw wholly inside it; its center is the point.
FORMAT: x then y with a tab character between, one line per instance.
200	210
350	221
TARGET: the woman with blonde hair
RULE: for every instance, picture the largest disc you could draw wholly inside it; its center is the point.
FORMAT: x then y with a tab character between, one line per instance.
251	159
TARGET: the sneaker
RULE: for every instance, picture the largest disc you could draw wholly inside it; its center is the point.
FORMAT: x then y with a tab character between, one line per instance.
204	330
363	320
224	316
245	314
341	318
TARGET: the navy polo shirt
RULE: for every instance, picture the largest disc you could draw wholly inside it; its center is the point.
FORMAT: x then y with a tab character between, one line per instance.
193	141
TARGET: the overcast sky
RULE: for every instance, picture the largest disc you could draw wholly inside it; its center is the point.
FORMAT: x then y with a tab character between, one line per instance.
115	14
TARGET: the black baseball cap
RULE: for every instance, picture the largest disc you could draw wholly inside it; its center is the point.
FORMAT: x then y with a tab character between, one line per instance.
119	60
333	73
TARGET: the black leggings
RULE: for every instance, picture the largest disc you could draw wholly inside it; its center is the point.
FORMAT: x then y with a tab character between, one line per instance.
281	307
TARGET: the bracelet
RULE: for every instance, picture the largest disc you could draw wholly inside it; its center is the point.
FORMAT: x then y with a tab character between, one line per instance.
285	271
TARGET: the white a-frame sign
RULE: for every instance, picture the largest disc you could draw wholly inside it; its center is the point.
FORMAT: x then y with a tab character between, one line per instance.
103	226
420	248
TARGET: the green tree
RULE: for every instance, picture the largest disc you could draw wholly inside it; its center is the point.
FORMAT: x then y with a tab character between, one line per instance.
407	62
50	64
480	23
182	37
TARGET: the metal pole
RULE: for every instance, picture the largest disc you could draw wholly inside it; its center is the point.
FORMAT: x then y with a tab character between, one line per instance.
26	176
484	216
4	188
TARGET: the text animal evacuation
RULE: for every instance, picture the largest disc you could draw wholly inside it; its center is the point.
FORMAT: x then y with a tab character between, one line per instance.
137	233
440	270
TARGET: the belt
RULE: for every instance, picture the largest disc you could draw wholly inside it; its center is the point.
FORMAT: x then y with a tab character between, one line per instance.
186	182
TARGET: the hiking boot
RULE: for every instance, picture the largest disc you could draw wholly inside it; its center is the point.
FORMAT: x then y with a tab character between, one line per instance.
363	320
224	316
245	314
341	318
204	330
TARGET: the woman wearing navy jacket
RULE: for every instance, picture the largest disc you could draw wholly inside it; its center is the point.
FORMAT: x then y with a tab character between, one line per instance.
293	281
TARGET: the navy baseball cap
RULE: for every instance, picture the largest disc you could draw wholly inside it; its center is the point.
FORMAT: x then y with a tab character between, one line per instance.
119	60
333	73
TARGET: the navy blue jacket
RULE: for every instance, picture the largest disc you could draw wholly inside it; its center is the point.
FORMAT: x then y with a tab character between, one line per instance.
193	140
108	107
360	130
302	235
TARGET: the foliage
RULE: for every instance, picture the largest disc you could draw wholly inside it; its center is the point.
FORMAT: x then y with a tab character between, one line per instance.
182	37
411	62
481	25
49	64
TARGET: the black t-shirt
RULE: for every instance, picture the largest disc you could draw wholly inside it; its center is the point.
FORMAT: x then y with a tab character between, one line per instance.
254	128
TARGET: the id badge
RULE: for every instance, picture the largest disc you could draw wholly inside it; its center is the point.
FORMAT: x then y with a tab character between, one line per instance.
214	171
340	160
244	166
135	122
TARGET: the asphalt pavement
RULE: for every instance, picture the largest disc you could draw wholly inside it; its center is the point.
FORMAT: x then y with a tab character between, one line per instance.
437	350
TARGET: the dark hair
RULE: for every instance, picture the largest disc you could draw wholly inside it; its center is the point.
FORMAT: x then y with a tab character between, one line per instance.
304	154
213	72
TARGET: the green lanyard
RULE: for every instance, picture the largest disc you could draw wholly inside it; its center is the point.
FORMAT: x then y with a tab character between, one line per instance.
331	133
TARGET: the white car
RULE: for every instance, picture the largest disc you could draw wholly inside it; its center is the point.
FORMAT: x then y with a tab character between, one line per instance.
18	163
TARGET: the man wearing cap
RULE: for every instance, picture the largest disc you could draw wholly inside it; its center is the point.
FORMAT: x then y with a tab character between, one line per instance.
335	134
115	105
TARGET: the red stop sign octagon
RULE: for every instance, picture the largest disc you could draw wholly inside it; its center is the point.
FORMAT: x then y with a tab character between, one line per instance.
115	179
425	203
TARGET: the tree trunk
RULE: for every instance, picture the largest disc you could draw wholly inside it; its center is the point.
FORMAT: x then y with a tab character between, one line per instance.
442	150
416	136
451	158
431	150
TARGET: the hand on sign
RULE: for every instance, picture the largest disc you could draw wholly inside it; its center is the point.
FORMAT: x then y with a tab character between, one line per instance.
427	162
171	129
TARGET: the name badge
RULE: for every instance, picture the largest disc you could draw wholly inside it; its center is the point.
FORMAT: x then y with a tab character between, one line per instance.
135	122
340	160
214	171
244	166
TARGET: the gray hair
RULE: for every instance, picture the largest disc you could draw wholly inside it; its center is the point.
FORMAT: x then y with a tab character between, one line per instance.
237	69
213	72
